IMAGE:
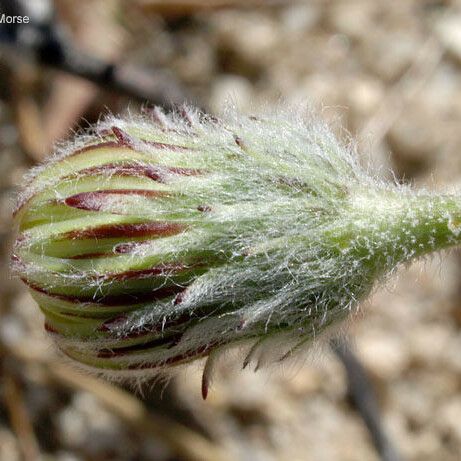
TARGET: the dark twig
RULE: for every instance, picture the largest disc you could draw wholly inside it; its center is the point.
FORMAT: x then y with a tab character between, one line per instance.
364	400
159	87
47	41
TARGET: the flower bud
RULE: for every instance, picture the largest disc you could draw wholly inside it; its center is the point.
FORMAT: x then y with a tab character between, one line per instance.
159	239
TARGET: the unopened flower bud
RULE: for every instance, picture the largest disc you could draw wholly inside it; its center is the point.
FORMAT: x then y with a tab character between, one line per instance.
156	240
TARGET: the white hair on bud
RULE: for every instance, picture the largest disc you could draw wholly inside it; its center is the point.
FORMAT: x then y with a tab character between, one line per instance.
293	232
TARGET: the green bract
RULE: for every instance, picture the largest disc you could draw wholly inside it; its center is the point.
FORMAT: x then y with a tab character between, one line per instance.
155	240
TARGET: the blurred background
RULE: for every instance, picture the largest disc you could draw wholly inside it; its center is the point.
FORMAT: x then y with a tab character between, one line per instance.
387	73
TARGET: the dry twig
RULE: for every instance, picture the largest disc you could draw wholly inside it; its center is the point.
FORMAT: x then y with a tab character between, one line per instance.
19	416
185	443
182	7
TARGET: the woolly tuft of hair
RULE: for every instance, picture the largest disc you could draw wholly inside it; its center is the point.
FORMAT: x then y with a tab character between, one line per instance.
154	240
